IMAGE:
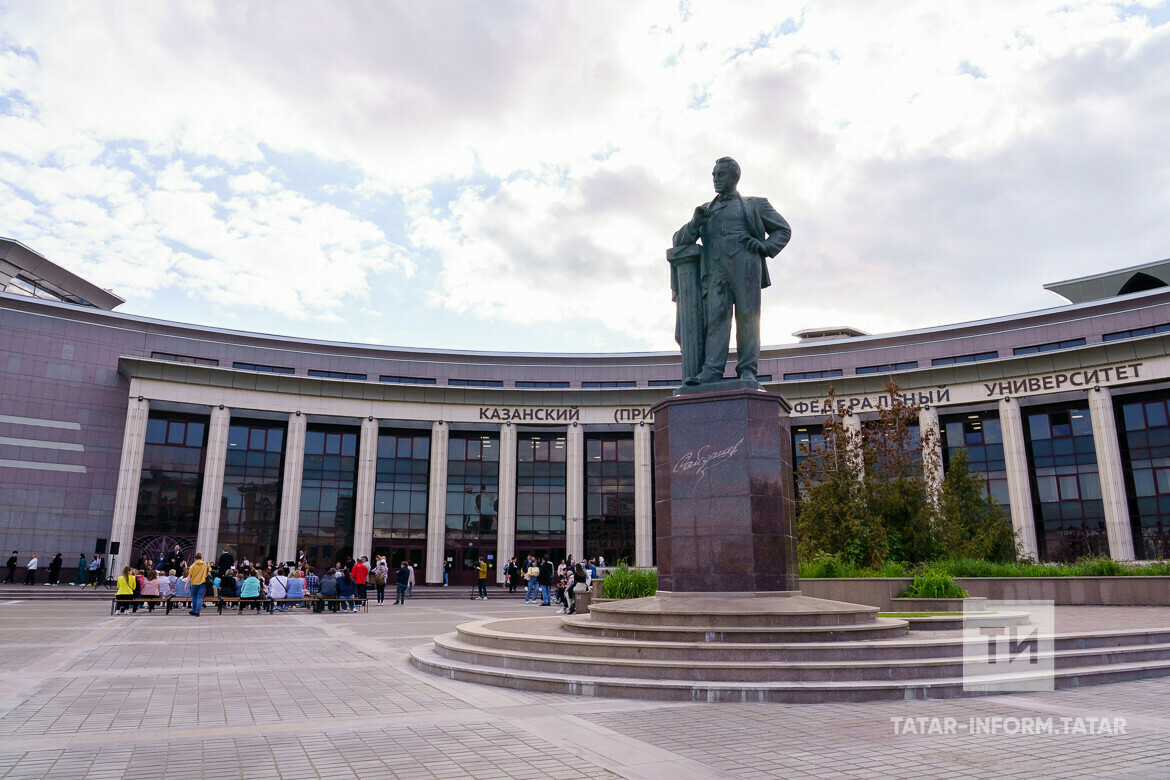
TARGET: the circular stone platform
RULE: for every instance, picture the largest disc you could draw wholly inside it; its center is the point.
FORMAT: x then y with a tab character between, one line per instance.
781	648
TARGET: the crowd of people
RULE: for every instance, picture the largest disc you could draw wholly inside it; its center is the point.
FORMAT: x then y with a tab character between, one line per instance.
271	586
543	582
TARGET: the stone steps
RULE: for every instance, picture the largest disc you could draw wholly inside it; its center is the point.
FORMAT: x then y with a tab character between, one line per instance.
427	658
542	637
878	628
453	647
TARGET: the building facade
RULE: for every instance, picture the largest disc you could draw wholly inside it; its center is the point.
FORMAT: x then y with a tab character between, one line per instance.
117	429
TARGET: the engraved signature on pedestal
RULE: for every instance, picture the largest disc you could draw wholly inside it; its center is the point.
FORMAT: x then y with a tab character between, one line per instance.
699	460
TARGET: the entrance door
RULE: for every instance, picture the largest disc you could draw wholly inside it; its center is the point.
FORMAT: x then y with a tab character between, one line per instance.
397	550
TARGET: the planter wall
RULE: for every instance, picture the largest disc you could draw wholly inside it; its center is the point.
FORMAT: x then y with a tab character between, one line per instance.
1063	591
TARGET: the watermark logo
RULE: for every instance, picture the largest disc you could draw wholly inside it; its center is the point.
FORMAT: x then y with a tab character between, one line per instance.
1008	646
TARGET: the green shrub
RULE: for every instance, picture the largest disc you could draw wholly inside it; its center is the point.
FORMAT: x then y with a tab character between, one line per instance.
931	582
626	583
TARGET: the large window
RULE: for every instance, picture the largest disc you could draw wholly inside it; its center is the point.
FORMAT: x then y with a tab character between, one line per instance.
327	494
400	494
249	518
1066	489
979	433
473	488
609	497
806	441
540	494
1145	455
171	486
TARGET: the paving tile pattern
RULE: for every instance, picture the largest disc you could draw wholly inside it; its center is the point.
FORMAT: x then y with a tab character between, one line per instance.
86	695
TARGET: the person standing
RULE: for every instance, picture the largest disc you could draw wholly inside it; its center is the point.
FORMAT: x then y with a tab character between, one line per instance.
197	579
545	580
30	574
532	574
361	575
446	573
226	560
55	570
380	575
82	565
410	581
403	582
482	578
92	572
12	568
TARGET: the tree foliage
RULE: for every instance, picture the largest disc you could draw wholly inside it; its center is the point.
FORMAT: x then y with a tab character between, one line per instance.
866	494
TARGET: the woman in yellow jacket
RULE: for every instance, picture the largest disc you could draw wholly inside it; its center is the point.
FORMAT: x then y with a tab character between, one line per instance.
125	595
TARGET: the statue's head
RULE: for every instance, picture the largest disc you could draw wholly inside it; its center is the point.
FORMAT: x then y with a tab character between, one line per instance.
725	175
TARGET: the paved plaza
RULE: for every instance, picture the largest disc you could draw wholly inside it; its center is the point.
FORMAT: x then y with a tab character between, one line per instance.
87	695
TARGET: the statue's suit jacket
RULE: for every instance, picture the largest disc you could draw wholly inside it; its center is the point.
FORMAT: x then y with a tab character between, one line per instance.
764	224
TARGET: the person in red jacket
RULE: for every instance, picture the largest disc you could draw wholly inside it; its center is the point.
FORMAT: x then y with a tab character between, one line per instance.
360	574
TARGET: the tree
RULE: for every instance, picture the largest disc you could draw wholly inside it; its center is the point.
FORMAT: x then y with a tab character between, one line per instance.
970	523
863	493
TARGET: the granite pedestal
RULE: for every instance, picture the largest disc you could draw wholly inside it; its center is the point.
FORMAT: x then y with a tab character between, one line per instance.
724	494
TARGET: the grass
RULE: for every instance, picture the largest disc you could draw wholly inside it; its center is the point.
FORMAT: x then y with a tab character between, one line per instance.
933	583
626	583
831	567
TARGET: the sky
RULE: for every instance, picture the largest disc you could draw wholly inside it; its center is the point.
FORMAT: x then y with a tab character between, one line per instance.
507	176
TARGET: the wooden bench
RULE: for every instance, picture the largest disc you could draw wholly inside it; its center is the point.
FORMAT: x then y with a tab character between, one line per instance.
138	602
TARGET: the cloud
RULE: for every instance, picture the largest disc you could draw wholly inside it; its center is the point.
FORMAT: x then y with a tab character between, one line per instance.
543	154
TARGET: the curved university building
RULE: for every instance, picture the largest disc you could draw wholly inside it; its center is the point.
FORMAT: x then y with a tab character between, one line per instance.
117	429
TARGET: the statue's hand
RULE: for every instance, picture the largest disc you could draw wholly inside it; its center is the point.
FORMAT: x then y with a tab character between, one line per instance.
757	246
701	215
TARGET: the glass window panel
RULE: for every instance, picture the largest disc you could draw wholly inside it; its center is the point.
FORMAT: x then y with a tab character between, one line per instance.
1132	414
315	443
1143	482
1156	414
1068	489
1163	479
275	440
176	432
237	437
332	443
1046	489
422	447
954	433
156	431
349	444
1038	427
195	434
1082	424
403	447
256	439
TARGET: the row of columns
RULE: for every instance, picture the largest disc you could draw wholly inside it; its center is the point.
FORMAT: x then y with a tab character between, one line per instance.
1117	520
206	541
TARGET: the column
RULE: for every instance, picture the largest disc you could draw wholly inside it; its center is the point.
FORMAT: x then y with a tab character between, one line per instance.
643	498
129	479
506	519
1015	458
290	494
932	461
1117	523
575	491
211	501
363	516
437	504
852	424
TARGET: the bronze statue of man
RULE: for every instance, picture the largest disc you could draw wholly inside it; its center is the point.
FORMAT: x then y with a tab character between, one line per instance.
738	236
